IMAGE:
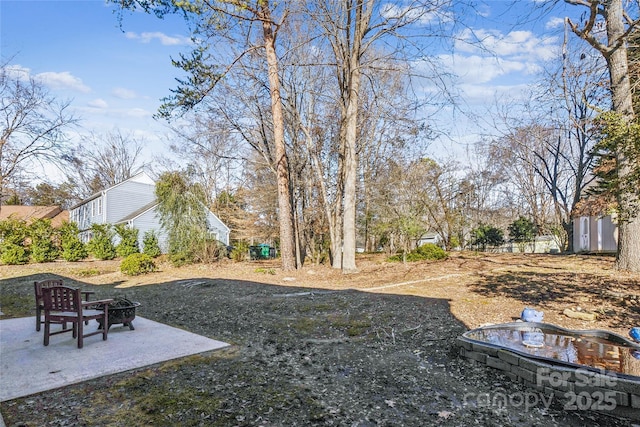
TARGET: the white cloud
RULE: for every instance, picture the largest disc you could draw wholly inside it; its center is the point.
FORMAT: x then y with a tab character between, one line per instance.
98	103
63	80
17	72
516	44
123	93
484	95
163	38
554	22
423	15
138	113
476	69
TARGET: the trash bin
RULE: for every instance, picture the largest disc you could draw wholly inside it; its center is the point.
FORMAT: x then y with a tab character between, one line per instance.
262	251
254	252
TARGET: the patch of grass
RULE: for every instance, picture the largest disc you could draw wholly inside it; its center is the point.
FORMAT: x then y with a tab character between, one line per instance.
265	270
156	405
307	325
353	327
88	272
16	305
311	307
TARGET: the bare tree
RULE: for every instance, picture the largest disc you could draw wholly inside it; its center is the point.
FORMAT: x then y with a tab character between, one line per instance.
101	161
33	125
216	154
519	153
398	215
353	29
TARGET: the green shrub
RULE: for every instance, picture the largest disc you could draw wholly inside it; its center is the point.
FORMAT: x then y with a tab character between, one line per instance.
44	251
428	251
128	240
486	235
240	252
150	245
72	248
136	264
13	254
101	244
179	259
13	231
43	248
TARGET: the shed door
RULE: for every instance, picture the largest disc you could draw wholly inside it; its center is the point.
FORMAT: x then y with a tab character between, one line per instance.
584	233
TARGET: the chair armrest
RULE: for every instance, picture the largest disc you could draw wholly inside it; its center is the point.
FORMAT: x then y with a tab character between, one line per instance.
97	302
86	294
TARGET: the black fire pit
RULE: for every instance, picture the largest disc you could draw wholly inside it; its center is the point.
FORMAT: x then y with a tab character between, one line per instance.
121	310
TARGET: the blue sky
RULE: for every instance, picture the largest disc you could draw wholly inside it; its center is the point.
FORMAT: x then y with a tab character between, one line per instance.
115	77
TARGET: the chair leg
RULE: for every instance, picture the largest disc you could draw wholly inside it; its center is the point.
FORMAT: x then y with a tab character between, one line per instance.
105	328
38	318
46	332
80	333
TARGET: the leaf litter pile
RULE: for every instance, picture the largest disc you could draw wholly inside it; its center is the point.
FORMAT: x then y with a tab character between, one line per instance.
318	348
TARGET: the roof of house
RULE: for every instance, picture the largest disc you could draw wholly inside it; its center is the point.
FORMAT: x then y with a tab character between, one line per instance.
138	212
29	213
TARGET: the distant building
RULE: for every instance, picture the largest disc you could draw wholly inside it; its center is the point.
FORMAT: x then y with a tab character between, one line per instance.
133	202
430	237
595	229
595	233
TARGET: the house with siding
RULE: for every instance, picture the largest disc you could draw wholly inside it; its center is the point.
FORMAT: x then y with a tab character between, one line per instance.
132	202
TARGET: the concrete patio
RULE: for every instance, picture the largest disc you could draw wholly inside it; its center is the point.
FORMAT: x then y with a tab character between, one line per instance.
28	367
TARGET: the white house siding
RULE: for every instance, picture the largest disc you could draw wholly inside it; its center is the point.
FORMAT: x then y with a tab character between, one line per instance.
148	221
81	216
218	228
122	199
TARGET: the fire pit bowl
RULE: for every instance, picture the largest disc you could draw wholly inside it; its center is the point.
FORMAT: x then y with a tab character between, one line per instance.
121	310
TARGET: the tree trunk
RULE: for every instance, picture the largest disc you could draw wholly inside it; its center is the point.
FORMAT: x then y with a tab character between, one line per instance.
285	213
363	10
628	257
351	172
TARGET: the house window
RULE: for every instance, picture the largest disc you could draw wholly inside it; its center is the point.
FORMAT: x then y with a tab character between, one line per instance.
100	206
93	208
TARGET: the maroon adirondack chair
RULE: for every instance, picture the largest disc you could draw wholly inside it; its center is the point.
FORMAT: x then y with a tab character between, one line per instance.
39	303
63	304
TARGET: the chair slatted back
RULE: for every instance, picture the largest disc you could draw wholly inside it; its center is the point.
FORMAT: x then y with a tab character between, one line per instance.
38	286
61	298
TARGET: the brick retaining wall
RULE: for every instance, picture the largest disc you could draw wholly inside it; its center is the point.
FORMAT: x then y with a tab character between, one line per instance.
578	388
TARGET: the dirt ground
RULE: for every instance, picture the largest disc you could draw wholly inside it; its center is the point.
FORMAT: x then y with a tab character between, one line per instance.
316	347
